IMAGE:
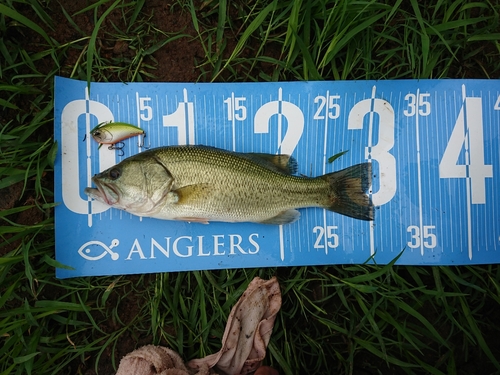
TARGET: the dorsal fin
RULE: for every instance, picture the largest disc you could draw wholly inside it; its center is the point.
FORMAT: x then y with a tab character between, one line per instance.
279	163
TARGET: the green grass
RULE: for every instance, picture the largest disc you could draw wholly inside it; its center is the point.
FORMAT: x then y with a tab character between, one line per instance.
337	319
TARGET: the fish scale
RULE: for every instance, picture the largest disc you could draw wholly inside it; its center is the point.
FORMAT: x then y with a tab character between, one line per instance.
238	180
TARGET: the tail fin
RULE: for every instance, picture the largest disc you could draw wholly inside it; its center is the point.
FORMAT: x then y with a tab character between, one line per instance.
347	194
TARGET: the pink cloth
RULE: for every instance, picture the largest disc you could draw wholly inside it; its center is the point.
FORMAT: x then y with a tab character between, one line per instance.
244	342
152	360
248	330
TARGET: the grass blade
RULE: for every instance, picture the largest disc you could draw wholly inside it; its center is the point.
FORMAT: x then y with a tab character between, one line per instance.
9	12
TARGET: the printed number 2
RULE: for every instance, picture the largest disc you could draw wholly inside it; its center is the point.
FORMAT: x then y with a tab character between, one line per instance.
468	133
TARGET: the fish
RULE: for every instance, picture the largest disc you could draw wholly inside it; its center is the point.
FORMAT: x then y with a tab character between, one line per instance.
114	132
196	183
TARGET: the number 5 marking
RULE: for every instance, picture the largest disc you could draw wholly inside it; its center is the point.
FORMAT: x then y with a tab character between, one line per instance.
146	112
380	151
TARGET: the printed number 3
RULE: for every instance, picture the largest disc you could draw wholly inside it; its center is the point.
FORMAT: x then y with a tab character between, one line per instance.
380	151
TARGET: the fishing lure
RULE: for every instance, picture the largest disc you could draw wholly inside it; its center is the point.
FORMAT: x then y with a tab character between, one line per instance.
114	133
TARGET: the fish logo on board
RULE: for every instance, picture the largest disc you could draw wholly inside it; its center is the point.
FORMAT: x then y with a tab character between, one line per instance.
86	251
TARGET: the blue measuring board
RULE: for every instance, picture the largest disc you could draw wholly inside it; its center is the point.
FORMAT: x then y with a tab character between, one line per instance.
433	145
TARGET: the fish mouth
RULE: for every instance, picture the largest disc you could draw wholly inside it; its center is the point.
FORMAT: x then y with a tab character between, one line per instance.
104	193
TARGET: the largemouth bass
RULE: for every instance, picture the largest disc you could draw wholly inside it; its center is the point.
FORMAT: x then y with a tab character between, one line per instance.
203	184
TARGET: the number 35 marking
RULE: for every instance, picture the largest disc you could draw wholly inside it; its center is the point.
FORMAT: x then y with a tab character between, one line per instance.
428	238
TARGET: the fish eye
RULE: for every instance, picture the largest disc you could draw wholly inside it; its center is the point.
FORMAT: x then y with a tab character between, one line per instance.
97	133
114	173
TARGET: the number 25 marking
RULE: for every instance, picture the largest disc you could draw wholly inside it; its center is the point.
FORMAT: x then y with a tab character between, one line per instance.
333	107
330	235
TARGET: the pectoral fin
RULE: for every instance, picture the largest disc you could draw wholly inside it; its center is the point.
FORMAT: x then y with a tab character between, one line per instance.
191	194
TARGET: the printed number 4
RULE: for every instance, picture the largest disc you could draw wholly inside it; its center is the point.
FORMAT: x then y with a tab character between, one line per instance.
468	133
